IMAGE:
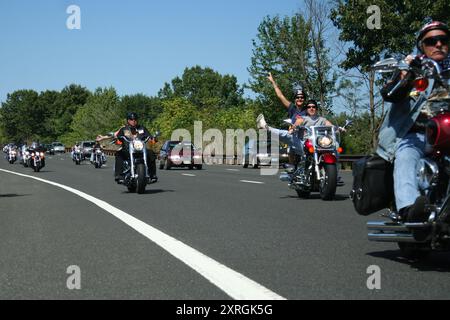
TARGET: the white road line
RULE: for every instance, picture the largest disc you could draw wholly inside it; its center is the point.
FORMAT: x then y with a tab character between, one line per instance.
232	169
188	175
234	284
254	182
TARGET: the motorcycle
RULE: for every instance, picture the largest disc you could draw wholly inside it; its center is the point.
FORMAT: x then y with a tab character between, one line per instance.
12	155
99	158
36	160
25	157
417	239
77	156
135	168
316	167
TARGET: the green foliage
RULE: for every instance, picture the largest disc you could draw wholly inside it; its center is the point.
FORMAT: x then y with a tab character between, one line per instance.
148	108
204	87
358	138
101	113
284	47
63	109
400	22
21	116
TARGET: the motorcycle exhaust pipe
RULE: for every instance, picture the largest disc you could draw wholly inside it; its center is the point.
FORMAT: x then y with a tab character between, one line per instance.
392	237
386	226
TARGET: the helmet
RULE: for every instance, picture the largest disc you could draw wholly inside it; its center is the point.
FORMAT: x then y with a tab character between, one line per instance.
132	116
434	25
314	102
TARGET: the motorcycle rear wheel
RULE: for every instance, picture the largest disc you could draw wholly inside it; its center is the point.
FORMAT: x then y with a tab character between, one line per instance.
328	186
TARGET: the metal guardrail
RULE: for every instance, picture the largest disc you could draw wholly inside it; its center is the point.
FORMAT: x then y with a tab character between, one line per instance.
345	160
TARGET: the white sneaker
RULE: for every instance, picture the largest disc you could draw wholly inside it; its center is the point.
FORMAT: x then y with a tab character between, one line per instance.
261	122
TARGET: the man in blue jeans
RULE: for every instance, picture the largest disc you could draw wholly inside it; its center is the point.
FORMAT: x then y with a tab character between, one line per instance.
402	134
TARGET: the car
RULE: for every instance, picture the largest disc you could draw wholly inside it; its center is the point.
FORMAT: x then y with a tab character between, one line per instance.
169	158
86	148
58	147
49	149
255	154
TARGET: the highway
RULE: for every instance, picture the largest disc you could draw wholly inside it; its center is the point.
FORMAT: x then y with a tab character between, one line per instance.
223	232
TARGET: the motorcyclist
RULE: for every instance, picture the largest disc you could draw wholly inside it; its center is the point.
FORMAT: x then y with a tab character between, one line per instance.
402	134
94	148
295	109
131	128
76	148
293	140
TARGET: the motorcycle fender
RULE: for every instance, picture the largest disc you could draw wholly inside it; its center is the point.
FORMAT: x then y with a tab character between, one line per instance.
328	158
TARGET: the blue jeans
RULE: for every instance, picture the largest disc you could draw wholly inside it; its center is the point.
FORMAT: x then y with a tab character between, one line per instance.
409	151
291	140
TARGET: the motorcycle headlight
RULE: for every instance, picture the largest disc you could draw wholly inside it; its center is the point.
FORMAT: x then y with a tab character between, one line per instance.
42	154
27	153
138	145
427	174
325	141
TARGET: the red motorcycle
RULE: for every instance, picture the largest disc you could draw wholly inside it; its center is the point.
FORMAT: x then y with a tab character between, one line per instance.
416	239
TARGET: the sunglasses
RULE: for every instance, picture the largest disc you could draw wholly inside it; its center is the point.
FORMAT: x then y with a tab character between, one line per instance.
311	107
432	41
300	97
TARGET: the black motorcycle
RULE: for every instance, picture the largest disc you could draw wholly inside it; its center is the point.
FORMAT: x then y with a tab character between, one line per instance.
36	161
135	167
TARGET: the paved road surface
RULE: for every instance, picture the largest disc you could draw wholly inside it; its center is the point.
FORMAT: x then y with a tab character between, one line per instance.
233	234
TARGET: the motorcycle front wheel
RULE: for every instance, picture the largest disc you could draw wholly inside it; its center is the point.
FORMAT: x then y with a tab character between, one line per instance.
141	181
329	182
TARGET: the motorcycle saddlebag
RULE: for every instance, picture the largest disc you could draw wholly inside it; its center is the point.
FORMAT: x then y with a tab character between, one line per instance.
373	185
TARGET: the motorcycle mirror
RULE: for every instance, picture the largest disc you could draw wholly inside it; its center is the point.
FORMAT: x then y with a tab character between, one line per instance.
157	134
386	65
348	123
288	121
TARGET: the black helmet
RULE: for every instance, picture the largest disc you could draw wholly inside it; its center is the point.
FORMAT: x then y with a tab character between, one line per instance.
132	116
434	25
314	102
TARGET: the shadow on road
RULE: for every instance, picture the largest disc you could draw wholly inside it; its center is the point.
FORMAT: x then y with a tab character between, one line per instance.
316	196
436	261
151	191
13	195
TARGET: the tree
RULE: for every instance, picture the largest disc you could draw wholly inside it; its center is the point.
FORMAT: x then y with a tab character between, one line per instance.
101	113
400	20
293	50
21	117
64	108
148	108
204	87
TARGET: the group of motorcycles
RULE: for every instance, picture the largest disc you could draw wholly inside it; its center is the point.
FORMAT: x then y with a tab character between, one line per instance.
98	161
316	167
33	156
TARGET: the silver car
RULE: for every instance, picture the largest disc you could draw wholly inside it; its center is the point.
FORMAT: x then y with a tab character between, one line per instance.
58	147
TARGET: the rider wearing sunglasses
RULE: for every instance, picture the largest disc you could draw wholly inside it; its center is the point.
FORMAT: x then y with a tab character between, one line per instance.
402	134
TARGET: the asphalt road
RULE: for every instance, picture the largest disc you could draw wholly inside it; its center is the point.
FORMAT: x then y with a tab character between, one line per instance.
249	235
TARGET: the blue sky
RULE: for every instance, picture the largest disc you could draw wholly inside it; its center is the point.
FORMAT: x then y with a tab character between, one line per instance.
134	46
